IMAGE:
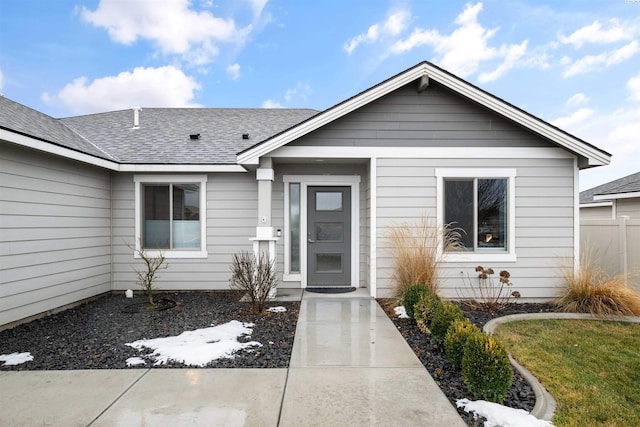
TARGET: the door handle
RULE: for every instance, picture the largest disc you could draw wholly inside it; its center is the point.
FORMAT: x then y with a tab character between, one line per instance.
311	241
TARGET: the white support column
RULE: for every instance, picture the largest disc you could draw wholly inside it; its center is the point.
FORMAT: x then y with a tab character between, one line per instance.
265	240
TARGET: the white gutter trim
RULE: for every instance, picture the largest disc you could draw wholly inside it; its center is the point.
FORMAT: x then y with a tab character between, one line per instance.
617	196
594	156
595	205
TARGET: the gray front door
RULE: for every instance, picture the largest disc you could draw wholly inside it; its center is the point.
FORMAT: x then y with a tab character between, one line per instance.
328	236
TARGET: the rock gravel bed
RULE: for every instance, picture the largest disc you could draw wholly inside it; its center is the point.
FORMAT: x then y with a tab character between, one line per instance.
520	395
93	335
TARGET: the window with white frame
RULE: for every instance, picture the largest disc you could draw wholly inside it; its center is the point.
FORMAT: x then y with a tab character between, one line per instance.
478	205
171	215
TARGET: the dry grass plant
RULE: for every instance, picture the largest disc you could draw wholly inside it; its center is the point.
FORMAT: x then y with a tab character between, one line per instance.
590	290
416	252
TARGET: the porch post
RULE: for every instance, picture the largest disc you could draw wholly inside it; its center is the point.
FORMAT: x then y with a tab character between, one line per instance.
265	240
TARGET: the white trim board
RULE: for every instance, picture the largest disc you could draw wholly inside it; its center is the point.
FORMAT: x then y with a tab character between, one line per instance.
306	181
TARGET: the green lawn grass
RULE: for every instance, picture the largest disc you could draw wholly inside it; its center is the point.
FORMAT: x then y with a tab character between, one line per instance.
591	368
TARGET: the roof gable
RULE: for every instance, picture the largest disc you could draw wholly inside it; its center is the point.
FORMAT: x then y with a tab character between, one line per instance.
420	75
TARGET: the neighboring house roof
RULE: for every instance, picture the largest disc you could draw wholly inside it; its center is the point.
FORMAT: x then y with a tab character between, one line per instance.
422	73
628	186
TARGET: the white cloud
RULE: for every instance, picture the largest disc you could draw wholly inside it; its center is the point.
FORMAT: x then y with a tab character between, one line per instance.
578	99
595	33
270	103
633	84
170	24
257	6
234	71
466	48
592	62
392	26
301	90
574	118
512	55
146	87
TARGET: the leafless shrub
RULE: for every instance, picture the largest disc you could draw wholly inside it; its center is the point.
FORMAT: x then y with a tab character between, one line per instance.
146	277
488	296
254	275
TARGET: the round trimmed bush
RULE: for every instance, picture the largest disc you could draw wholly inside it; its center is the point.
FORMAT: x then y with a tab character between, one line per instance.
485	368
412	296
445	314
424	310
455	339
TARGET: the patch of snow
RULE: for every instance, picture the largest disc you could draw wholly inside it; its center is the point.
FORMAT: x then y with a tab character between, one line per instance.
199	347
135	361
401	312
15	358
501	416
278	309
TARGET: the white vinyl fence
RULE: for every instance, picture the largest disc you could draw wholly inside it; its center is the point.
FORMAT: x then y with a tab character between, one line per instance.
614	244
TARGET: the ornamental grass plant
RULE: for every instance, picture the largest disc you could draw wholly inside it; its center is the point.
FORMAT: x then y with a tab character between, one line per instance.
589	289
417	251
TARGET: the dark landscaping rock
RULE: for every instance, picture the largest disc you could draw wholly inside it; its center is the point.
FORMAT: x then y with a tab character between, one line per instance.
93	335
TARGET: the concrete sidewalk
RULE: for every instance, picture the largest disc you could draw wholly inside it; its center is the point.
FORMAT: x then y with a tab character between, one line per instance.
349	367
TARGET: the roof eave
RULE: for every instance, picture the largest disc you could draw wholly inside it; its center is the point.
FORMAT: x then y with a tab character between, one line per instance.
592	155
628	195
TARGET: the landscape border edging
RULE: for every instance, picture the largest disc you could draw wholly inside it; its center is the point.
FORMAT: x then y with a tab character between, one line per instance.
545	406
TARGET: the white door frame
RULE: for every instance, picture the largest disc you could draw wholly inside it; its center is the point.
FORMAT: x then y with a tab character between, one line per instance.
307	181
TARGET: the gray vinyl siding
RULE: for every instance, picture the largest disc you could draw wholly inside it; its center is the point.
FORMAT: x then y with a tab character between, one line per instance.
628	207
434	118
544	219
232	212
406	187
55	221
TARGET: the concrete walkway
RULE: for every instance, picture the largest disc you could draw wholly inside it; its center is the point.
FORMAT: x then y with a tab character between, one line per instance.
349	367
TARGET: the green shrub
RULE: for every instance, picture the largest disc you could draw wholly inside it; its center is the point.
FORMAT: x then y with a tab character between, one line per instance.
412	296
424	310
445	314
485	368
456	338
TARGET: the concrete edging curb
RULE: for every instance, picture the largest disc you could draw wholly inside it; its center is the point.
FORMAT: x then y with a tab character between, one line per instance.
545	406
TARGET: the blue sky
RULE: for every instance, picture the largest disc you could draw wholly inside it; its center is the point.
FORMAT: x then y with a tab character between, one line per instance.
575	64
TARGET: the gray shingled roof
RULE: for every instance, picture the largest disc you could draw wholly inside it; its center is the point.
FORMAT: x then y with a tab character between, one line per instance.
163	134
17	118
628	184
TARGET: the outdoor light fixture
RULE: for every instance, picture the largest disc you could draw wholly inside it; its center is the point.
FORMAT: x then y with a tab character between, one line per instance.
128	293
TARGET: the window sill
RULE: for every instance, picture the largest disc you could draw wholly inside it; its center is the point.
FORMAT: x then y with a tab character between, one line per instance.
479	257
175	254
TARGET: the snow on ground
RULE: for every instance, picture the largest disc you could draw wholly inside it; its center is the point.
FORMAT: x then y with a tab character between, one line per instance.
501	416
279	309
401	312
15	358
135	361
199	347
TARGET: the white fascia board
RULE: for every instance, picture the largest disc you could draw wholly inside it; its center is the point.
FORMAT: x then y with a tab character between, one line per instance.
595	157
351	152
180	168
47	147
595	205
617	196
